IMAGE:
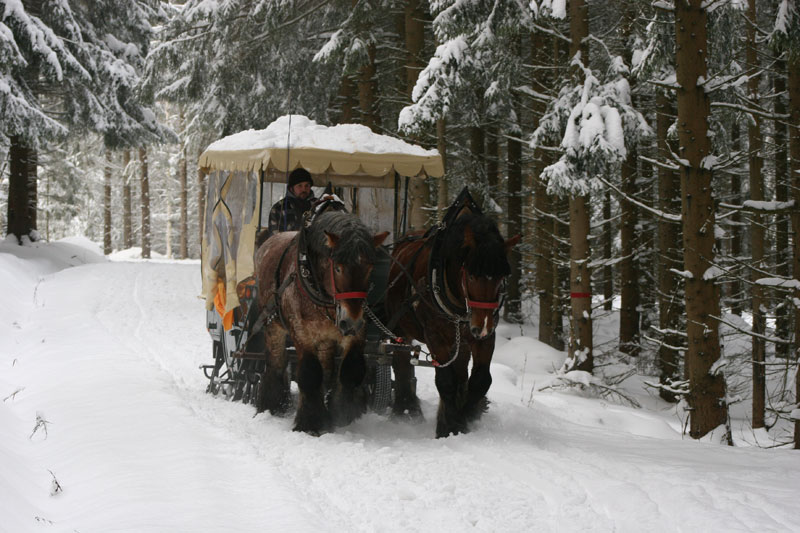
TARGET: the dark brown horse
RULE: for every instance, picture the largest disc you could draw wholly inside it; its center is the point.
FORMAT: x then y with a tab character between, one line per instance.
313	283
446	288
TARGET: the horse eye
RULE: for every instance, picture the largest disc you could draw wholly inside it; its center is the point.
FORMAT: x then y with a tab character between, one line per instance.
338	269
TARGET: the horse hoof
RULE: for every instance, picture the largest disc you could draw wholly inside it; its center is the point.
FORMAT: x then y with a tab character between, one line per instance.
314	425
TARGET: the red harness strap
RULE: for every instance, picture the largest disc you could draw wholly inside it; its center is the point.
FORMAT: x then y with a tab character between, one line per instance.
474	304
354	295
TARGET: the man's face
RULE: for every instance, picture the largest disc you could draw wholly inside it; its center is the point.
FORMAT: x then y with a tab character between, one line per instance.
302	190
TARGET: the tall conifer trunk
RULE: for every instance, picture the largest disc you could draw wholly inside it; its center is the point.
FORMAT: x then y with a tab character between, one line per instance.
794	153
107	249
608	250
414	38
19	213
443	199
560	267
580	282
201	202
735	286
757	226
543	203
145	200
783	311
629	341
493	161
127	211
629	273
670	304
183	174
367	92
708	409
513	308
33	190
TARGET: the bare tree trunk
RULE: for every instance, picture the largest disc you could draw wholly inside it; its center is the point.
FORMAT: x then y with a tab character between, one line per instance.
543	204
414	27
201	203
669	300
183	174
580	280
783	310
33	190
735	286
127	211
560	266
441	143
19	213
706	382
543	244
107	249
608	238
794	153
629	341
145	199
347	92
628	266
367	92
477	141
757	226
493	161
513	307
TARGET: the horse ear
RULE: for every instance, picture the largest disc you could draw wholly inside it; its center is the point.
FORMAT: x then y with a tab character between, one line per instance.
332	239
469	237
512	242
378	238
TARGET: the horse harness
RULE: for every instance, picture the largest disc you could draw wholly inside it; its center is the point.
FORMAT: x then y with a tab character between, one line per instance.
305	281
444	301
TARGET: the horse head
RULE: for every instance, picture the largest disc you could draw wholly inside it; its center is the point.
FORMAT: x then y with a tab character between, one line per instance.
350	250
484	268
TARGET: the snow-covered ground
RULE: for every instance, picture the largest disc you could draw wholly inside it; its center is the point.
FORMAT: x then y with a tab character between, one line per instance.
105	426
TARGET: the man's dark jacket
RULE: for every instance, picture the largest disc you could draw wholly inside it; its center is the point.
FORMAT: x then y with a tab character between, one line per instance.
287	214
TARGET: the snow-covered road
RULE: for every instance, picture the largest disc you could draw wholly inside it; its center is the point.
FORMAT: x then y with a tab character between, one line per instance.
107	353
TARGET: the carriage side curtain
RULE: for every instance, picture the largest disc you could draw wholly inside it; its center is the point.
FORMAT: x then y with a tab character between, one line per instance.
231	222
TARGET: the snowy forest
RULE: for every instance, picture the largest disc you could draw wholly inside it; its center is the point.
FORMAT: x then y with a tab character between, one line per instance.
648	151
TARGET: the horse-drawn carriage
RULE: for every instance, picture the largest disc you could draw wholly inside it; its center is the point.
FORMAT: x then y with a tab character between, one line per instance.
333	287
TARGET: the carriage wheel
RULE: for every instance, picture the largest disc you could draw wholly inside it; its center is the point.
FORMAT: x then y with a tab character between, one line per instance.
379	387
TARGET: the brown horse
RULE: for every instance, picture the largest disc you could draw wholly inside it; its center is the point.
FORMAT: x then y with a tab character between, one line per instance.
446	290
314	283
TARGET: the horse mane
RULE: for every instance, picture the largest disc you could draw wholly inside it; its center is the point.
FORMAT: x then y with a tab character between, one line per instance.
355	239
488	257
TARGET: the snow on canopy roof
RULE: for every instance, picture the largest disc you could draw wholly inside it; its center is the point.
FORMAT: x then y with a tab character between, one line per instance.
344	149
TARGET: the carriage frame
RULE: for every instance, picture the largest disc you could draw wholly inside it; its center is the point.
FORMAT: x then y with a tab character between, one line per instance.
239	167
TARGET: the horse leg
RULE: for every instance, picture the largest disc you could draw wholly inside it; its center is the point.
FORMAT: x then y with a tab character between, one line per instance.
312	417
451	382
479	380
273	388
406	402
349	401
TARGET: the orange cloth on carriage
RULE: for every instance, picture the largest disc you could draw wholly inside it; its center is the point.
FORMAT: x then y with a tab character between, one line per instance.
219	304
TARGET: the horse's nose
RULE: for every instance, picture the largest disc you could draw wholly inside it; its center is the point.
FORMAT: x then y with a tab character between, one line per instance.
348	326
476	331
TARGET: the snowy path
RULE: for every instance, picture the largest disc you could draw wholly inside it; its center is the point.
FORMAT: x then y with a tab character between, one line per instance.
108	353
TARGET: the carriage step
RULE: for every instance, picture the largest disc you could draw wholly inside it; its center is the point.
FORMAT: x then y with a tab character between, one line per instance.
258	356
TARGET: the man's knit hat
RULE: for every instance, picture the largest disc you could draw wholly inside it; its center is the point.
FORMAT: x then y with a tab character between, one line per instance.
299	175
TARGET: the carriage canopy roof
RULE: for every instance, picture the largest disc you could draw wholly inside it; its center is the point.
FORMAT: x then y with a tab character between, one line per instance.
345	149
